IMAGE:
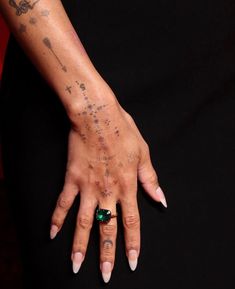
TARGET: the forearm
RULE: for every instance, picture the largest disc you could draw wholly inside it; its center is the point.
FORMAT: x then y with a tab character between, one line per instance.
46	34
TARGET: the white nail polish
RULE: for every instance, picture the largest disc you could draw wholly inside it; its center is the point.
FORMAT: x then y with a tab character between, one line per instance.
77	261
161	196
133	259
53	232
106	269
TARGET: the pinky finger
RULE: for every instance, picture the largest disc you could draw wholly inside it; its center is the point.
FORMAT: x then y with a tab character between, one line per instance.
149	180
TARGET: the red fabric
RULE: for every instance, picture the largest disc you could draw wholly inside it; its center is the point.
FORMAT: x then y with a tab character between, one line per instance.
4	34
3	41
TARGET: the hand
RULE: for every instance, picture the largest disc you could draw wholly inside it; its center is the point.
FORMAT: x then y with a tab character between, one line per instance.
106	156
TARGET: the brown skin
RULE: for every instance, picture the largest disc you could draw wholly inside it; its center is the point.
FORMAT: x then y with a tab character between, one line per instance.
106	152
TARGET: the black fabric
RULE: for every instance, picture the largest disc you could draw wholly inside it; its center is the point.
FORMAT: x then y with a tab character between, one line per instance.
172	67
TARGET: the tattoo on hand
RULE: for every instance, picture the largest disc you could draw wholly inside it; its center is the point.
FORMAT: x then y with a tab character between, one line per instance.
116	131
92	110
47	43
23	7
107	244
82	86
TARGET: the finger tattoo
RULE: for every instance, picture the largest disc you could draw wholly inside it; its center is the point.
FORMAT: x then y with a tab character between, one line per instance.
107	244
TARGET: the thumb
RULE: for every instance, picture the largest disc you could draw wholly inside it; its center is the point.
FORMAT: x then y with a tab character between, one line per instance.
149	180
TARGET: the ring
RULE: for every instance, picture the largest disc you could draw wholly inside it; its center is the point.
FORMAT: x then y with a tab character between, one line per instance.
104	215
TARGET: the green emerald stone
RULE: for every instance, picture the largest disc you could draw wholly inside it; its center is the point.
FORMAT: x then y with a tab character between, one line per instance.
103	215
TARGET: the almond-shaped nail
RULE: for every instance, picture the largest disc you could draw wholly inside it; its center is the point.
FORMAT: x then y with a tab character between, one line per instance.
106	269
53	232
161	196
133	259
77	261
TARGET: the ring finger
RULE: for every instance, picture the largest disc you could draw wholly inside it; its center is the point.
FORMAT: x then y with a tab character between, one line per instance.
108	234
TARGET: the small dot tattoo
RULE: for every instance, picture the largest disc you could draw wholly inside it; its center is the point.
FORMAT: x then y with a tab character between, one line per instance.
45	13
22	28
90	167
32	20
82	86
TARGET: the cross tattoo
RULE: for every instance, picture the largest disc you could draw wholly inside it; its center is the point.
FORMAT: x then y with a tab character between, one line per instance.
68	88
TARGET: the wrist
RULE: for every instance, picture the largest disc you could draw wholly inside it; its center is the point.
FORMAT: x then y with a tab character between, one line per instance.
87	97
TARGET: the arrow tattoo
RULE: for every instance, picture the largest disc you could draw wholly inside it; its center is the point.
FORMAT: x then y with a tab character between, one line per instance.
47	43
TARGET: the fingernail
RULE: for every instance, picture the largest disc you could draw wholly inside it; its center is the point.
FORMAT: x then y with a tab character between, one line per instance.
161	196
77	261
133	259
53	232
106	269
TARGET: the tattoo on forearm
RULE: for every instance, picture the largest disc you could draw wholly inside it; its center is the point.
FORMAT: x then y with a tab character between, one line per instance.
47	43
23	7
22	29
45	13
32	20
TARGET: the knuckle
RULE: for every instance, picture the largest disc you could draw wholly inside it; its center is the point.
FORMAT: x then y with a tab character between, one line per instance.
133	242
132	222
64	202
107	254
79	246
84	222
107	259
73	174
146	149
128	180
109	230
57	221
125	182
153	178
107	250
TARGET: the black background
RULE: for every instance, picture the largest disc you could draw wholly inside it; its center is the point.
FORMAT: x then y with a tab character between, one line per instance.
172	67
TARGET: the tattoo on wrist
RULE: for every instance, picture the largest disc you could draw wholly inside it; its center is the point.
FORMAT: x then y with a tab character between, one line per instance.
68	89
23	6
47	43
